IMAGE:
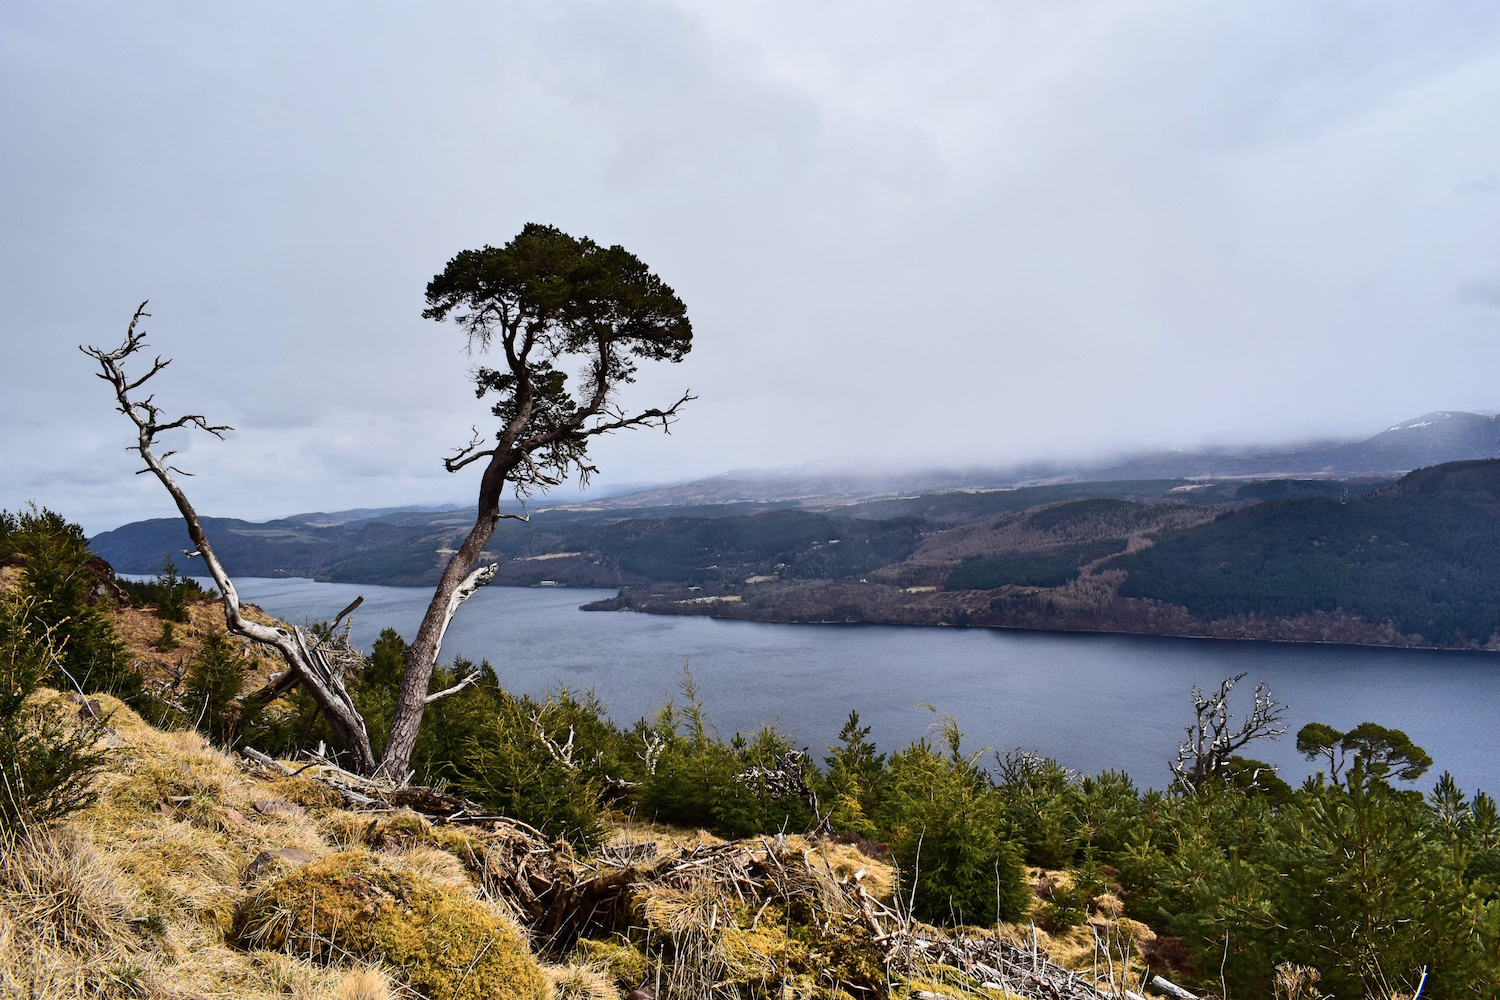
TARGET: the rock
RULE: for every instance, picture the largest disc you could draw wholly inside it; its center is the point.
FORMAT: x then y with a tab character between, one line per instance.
265	859
277	807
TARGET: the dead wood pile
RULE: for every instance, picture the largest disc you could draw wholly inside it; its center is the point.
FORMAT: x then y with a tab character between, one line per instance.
728	919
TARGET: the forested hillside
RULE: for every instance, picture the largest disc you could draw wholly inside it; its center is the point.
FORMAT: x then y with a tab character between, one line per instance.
1423	554
607	546
1408	563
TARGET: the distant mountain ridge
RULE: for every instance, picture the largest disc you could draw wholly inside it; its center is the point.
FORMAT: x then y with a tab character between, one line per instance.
1431	439
408	545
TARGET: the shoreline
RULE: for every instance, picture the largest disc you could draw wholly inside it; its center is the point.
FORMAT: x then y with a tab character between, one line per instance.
769	617
1235	631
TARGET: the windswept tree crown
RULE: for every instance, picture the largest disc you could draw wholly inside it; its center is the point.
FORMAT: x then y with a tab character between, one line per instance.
548	299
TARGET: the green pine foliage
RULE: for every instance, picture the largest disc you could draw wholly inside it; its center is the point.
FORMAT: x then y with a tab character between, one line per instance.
168	592
694	777
529	763
215	679
47	764
167	641
854	784
948	836
64	581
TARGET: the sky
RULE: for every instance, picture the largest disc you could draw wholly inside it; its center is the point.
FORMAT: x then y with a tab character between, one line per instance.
908	235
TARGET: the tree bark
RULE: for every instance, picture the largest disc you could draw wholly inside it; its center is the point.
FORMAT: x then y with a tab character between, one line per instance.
421	657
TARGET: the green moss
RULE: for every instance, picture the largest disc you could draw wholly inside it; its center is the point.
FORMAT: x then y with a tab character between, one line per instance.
446	944
303	791
628	964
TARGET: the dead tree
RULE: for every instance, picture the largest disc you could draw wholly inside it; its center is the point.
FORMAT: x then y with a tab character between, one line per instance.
547	300
1211	741
307	663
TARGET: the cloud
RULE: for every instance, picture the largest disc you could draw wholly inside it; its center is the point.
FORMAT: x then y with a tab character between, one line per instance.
1483	292
954	233
1488	184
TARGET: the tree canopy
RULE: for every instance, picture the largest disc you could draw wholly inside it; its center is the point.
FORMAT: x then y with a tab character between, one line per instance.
544	299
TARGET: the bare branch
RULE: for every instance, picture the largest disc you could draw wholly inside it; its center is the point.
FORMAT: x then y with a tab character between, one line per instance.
645	418
467	454
347	611
1211	741
562	753
472	582
307	662
654	745
440	695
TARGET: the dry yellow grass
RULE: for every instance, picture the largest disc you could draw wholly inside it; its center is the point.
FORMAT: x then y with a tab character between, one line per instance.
140	894
195	875
1106	943
581	982
365	984
140	628
666	838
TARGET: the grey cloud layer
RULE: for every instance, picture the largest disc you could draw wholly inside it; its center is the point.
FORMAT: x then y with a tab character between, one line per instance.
908	235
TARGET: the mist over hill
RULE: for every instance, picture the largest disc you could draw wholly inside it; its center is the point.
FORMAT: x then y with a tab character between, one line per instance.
1431	439
1175	544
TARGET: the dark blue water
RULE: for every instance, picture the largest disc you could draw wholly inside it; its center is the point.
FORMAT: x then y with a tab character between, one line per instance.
1091	701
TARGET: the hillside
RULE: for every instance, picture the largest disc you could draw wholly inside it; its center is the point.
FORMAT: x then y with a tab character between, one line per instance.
184	869
1421	555
404	546
1364	561
612	547
1410	564
223	852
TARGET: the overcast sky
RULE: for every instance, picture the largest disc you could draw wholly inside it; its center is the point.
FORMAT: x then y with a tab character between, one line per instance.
930	234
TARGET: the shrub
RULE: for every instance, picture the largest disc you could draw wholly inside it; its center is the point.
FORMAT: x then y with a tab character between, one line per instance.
856	776
767	786
62	576
167	641
955	864
1066	907
215	679
529	764
689	765
169	592
47	765
696	779
1042	807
